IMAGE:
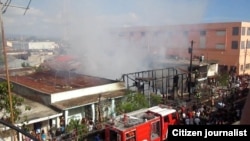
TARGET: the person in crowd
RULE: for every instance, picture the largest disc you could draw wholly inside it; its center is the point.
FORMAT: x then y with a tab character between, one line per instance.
197	120
187	121
43	135
97	137
184	116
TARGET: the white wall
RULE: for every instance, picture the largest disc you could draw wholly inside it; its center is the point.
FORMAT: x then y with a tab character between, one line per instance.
42	45
87	91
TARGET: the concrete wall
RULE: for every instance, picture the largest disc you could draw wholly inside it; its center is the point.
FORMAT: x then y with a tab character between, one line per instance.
30	93
87	91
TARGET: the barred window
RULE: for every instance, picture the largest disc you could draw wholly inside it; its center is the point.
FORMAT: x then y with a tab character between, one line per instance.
220	46
203	33
248	31
243	31
221	32
235	31
234	44
242	44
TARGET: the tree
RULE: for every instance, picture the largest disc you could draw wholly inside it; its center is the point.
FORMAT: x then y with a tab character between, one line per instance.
5	107
223	79
77	129
155	100
5	104
132	101
135	100
25	65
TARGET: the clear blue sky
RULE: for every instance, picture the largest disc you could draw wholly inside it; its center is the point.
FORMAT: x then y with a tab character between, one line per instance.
55	17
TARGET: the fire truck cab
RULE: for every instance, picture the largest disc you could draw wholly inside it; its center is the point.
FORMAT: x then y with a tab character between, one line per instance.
149	124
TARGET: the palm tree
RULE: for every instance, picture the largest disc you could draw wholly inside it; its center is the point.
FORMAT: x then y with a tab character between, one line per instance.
77	129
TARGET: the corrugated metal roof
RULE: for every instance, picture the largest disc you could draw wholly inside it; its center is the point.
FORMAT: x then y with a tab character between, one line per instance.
52	82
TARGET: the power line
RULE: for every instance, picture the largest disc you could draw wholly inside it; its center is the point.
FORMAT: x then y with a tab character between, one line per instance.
27	7
8	4
4	8
18	129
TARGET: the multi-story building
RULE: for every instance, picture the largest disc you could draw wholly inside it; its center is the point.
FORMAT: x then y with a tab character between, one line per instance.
226	43
32	45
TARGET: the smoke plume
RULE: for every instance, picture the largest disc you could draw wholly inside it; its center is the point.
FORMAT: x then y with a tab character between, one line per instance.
91	29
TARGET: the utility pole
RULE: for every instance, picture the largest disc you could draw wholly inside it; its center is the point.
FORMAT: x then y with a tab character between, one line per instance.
190	71
245	57
4	7
6	67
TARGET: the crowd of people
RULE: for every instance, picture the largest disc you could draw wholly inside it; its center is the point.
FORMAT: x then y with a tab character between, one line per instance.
224	107
207	115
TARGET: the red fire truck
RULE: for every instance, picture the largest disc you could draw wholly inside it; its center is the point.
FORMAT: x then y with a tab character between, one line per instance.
150	124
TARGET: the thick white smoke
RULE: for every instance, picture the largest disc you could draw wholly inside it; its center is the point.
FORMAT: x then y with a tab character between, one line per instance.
87	26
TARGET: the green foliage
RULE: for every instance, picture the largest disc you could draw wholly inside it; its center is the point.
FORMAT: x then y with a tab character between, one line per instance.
1	59
5	103
155	100
223	79
80	129
131	102
134	101
25	64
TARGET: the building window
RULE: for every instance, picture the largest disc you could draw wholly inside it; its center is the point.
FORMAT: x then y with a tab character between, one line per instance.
242	44
241	67
185	33
220	46
248	44
243	31
157	33
234	44
248	66
143	34
248	31
202	42
221	32
235	31
203	33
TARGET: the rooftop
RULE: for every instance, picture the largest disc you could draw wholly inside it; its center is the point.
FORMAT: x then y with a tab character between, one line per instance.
37	113
58	81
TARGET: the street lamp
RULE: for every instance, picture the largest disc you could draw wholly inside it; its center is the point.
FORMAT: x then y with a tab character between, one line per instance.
190	50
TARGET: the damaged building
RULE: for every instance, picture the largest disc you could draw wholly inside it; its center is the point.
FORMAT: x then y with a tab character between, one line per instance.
65	95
